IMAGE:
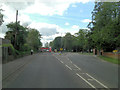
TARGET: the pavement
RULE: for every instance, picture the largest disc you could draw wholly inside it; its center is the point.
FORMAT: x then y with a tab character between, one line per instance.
54	70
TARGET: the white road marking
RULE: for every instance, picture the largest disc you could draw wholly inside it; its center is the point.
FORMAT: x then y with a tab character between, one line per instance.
97	81
61	61
57	58
70	61
77	67
86	81
90	79
81	73
68	67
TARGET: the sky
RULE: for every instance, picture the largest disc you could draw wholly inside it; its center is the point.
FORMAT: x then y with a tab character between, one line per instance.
51	18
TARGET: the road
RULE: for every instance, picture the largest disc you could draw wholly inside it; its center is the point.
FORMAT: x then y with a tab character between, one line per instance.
68	70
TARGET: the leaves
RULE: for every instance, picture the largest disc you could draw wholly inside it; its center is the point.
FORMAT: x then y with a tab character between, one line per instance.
33	39
1	17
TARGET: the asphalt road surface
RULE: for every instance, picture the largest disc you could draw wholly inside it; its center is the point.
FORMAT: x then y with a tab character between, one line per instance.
67	70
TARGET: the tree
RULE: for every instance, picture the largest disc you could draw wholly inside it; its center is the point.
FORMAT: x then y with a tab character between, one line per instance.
1	17
33	39
67	40
82	41
46	44
17	36
75	44
56	44
105	25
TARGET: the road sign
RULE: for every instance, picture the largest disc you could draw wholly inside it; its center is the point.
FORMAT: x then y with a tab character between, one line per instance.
61	49
115	51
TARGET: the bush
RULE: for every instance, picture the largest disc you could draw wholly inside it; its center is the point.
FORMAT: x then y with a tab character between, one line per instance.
11	48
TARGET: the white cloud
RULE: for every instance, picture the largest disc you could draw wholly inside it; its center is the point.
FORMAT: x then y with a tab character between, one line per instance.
42	7
75	27
45	7
86	20
45	28
67	24
74	5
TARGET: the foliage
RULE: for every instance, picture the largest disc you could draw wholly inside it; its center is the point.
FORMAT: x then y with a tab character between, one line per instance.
22	38
46	44
105	25
56	44
67	40
16	35
1	17
13	51
33	39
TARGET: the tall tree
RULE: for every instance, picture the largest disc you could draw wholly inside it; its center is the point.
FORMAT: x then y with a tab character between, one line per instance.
46	44
82	38
57	43
16	36
33	39
105	25
67	39
1	17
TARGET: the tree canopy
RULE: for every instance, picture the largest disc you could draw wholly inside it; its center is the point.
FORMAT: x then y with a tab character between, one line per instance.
22	38
1	17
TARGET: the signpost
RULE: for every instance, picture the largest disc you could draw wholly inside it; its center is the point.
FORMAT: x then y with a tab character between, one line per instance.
61	49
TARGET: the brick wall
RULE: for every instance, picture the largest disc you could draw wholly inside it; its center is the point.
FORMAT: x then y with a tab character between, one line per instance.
108	54
112	55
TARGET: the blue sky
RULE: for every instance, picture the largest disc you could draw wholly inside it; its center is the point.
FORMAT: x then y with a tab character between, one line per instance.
73	15
49	16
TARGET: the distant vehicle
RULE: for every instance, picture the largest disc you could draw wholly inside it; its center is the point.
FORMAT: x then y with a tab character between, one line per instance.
47	50
43	49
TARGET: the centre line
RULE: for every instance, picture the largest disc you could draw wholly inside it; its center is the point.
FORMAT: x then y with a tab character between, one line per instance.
61	61
77	67
86	81
68	67
71	61
97	81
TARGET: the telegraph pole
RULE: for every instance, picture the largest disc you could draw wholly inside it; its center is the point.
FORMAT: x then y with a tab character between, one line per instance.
16	29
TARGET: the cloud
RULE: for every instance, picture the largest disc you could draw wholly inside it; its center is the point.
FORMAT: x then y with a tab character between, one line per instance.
24	19
75	27
67	24
86	20
20	5
44	7
52	7
46	29
74	5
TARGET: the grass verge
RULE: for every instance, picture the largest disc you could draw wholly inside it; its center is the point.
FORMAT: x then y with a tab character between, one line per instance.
112	60
86	53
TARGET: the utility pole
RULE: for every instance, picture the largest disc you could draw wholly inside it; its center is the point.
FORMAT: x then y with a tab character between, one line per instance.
16	30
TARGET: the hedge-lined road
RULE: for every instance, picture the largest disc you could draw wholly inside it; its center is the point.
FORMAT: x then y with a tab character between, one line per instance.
67	70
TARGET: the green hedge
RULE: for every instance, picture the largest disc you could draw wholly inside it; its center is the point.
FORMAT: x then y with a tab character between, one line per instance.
11	47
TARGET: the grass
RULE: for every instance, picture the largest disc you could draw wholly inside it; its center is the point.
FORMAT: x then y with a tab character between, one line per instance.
86	53
112	60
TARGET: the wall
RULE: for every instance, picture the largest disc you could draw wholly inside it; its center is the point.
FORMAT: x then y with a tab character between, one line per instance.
107	54
4	49
112	55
